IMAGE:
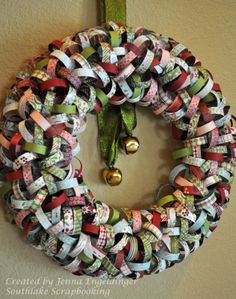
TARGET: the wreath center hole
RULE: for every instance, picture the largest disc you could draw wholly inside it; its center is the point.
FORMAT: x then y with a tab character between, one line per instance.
142	172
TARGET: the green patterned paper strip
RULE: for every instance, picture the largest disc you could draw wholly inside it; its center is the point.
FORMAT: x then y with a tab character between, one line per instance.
109	266
77	220
35	148
57	171
41	63
61	108
38	134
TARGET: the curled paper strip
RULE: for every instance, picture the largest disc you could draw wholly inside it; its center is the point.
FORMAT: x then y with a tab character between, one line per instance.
45	111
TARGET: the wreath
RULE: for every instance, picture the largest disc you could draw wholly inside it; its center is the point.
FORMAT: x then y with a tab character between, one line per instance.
108	70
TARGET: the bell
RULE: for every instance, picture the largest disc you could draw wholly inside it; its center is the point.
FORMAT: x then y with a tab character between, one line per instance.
112	176
130	144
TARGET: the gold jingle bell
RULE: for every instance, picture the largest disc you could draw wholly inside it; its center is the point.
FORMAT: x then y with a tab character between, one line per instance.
112	176
130	144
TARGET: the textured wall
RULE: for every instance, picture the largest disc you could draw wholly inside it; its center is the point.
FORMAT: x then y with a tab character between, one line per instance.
209	29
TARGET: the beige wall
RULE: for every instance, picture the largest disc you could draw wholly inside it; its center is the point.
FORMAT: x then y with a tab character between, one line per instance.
208	28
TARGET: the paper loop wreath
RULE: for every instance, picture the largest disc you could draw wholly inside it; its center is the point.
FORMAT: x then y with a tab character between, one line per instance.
46	109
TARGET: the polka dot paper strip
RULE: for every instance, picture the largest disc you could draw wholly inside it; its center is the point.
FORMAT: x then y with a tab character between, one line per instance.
44	113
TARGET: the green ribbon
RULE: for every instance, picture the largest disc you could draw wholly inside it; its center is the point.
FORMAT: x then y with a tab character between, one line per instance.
128	117
111	120
113	10
109	126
